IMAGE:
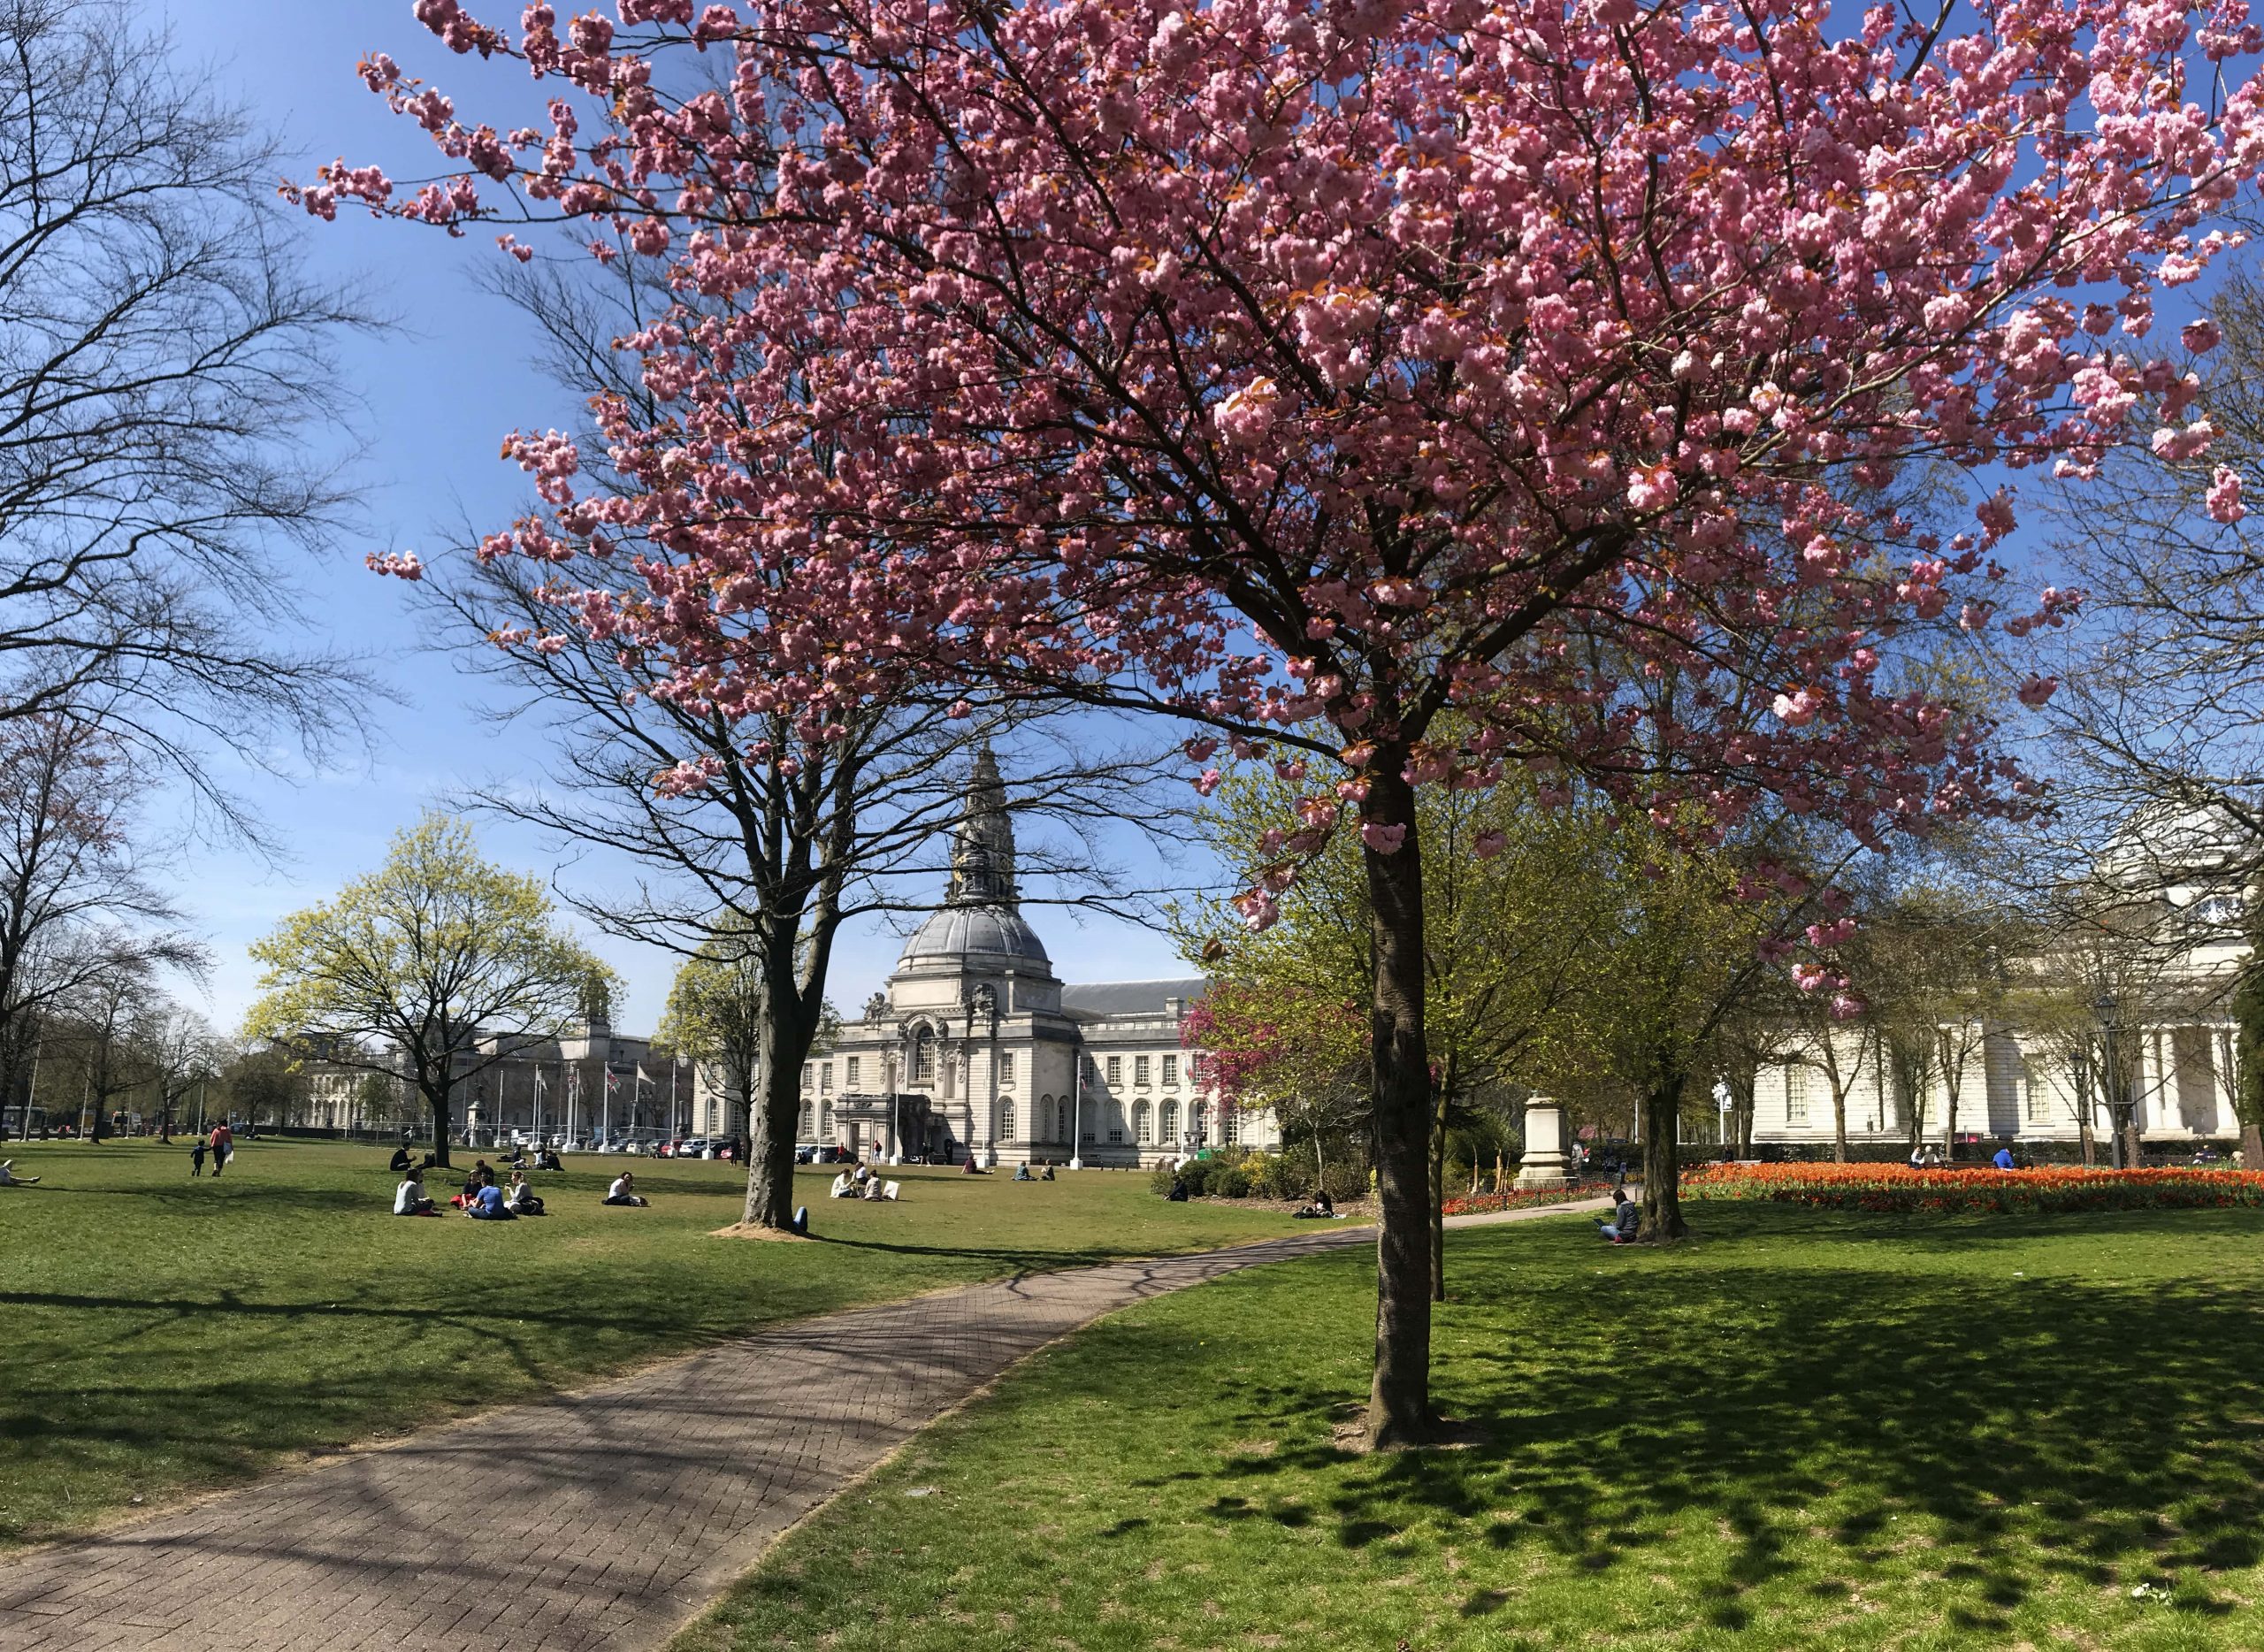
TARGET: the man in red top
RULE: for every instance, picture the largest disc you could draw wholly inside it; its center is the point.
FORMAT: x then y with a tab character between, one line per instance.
224	1146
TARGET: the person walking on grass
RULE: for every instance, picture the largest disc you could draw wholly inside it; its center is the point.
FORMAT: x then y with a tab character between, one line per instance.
197	1158
224	1146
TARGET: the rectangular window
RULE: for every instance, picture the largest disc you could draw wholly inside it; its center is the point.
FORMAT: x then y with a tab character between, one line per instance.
1115	1069
849	1078
1006	1066
808	1067
825	1077
1171	1069
2034	1100
1795	1094
1139	1069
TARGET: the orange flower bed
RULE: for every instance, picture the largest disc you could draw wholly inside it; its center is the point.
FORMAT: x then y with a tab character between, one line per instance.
2045	1188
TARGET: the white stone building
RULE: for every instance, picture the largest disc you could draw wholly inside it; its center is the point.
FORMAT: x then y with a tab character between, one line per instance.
975	1045
2162	985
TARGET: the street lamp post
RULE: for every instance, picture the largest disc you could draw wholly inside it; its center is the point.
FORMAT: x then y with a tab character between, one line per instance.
1077	1111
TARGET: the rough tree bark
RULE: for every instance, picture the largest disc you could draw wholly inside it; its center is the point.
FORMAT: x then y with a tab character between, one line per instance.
1399	1396
1662	1105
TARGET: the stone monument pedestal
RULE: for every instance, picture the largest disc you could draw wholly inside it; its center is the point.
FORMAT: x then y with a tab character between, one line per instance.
1545	1163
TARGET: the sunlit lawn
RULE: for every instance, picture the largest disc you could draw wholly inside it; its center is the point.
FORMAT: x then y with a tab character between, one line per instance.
159	1334
1803	1431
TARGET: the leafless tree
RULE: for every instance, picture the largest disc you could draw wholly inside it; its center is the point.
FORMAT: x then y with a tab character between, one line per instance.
785	839
76	902
165	371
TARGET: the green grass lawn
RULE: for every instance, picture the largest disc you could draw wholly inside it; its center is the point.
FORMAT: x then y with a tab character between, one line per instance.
1803	1431
160	1334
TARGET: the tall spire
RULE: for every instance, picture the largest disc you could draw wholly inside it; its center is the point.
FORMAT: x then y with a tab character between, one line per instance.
982	844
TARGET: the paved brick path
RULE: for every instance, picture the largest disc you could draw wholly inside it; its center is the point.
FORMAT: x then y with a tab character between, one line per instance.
597	1520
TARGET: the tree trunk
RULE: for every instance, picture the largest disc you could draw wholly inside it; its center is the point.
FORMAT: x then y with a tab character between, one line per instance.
1399	1395
787	1029
2088	1136
776	1108
1663	1221
1839	1122
436	1100
1439	1201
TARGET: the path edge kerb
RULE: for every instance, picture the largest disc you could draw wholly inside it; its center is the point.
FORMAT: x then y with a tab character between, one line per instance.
720	1579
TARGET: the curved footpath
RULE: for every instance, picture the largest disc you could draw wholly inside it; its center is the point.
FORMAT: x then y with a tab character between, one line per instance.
601	1520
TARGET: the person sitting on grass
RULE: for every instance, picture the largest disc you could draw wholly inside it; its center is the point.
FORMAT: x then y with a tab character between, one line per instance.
548	1160
1318	1208
487	1205
408	1198
1046	1175
10	1179
874	1190
971	1168
1021	1172
1625	1218
842	1187
1917	1158
521	1198
623	1190
401	1160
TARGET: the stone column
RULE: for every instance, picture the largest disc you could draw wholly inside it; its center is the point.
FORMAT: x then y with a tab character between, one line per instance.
1545	1163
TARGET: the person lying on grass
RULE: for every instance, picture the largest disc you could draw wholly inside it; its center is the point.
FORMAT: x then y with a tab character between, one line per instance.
10	1179
623	1191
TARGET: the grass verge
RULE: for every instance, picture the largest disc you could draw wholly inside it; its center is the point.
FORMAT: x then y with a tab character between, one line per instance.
165	1335
1806	1430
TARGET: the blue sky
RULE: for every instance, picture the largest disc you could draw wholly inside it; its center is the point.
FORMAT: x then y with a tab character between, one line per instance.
440	391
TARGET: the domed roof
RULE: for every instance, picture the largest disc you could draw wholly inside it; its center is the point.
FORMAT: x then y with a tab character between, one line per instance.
993	932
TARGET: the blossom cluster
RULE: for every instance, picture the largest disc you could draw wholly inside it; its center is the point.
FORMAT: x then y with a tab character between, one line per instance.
1952	1189
1333	373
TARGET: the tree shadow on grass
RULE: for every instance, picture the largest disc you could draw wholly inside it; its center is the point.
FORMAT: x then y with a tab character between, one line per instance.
2004	1435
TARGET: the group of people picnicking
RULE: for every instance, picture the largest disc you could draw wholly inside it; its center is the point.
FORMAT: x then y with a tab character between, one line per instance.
484	1198
862	1183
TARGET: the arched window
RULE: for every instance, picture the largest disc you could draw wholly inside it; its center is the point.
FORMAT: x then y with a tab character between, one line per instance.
1142	1119
1005	1118
1198	1119
808	1126
1045	1120
1229	1132
923	1057
1167	1130
825	1122
1115	1124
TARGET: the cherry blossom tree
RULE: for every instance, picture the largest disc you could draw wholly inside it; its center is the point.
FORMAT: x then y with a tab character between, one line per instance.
1374	385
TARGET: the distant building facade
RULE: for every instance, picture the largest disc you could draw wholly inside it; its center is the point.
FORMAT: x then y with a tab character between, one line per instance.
975	1045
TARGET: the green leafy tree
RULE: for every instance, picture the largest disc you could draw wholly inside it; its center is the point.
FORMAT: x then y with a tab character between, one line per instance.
1505	950
451	961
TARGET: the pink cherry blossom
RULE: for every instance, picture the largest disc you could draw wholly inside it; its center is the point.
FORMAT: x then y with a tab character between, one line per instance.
2223	499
